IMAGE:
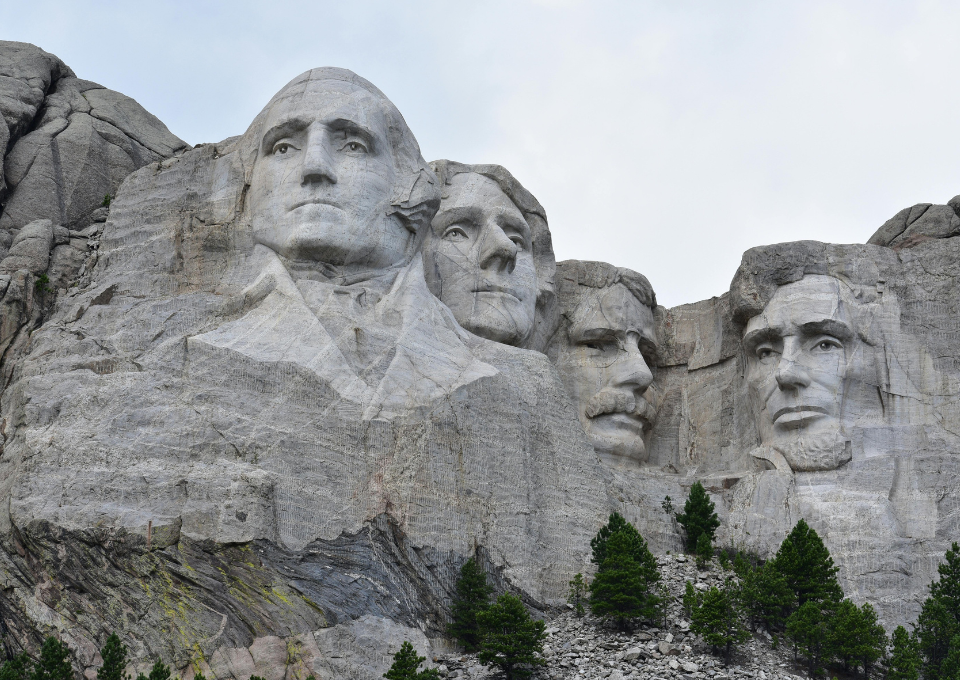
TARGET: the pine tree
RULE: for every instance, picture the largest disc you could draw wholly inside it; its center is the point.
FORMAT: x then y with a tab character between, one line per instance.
598	544
406	665
54	662
114	654
950	668
690	598
855	636
740	565
698	516
809	629
17	668
806	565
473	596
623	588
716	619
512	640
577	594
766	597
939	620
704	550
160	671
904	662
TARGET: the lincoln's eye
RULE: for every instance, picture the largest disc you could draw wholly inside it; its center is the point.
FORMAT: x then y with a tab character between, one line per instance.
764	353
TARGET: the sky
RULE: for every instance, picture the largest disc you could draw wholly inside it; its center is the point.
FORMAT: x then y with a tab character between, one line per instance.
667	137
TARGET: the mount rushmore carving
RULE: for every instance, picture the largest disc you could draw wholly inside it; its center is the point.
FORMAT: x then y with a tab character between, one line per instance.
278	392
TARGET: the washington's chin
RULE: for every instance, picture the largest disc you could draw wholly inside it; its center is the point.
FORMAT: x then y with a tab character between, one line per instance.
337	241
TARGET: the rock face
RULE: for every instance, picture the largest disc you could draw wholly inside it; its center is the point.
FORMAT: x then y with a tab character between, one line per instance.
257	415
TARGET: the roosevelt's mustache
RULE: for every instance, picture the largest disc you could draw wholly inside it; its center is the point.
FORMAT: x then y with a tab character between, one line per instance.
606	402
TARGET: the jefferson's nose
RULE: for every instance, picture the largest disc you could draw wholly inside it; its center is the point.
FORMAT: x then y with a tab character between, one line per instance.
631	369
318	166
497	251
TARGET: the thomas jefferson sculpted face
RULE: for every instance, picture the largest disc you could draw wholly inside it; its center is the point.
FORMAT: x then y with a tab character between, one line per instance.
800	352
480	260
322	184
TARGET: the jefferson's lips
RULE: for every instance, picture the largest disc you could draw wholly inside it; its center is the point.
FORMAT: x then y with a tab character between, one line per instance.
798	409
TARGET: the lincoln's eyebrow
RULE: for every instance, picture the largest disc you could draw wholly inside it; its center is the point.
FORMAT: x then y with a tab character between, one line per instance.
762	335
281	130
837	329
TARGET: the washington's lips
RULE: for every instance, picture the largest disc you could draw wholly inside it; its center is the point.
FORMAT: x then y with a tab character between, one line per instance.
800	410
315	201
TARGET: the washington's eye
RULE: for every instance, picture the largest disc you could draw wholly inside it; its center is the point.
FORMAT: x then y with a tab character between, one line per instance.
282	148
455	234
354	147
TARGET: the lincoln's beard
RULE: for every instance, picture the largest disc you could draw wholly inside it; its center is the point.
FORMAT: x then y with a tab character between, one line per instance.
825	451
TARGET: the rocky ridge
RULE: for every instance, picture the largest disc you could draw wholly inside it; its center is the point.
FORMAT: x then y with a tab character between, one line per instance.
585	648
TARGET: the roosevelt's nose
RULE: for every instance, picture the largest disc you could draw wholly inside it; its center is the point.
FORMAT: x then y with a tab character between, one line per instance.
318	165
631	369
497	251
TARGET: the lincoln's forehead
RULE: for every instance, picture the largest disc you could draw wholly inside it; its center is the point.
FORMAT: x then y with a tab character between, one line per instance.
813	299
613	308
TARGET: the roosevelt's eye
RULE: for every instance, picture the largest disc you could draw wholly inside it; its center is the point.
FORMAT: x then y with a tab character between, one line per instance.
520	241
455	233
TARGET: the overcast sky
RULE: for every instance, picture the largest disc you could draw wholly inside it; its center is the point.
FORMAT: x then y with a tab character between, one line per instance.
667	137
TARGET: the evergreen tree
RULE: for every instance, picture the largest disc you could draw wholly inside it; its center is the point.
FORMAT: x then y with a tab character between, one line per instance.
598	543
512	640
54	662
806	565
904	661
698	516
741	567
856	637
160	671
406	666
704	550
690	598
17	668
950	668
114	654
939	620
716	619
766	597
473	596
623	586
809	629
577	594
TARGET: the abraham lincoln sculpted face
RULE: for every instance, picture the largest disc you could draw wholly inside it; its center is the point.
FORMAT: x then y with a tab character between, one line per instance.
802	352
324	177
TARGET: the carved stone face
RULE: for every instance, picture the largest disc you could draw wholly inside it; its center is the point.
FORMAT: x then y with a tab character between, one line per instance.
478	260
324	178
800	353
605	367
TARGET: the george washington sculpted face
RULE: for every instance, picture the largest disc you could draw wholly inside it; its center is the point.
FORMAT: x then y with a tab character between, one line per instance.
322	183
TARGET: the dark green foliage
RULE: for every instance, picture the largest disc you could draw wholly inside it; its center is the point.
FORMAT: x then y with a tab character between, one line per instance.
42	284
54	662
716	618
950	668
512	640
855	636
809	629
106	201
473	596
406	665
704	550
939	620
765	595
664	600
160	671
690	598
724	560
598	544
577	594
806	565
257	677
17	668
698	516
904	660
114	655
667	505
623	586
741	567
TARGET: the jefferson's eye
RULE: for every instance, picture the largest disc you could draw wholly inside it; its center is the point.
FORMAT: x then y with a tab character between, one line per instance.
828	345
455	234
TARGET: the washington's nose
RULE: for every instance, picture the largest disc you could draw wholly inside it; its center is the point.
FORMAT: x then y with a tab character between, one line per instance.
790	375
632	370
318	166
497	251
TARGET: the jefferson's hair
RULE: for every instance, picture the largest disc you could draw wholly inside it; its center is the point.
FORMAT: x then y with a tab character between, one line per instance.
573	275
